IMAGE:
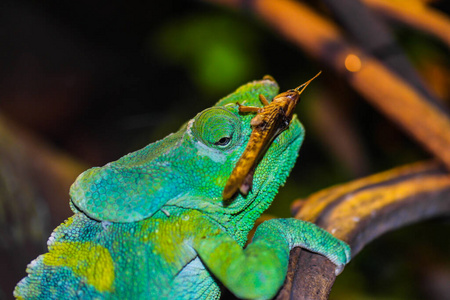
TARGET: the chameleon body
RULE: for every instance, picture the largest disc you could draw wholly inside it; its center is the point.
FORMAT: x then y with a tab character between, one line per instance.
154	225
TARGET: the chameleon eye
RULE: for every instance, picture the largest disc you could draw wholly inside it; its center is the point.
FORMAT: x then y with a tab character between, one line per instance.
217	128
223	141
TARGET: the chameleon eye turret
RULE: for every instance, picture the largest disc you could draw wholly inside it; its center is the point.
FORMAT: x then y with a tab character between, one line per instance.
217	127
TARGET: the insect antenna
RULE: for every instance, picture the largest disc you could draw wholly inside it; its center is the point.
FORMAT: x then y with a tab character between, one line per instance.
304	85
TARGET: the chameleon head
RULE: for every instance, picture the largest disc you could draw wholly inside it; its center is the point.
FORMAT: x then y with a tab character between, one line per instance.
272	171
189	168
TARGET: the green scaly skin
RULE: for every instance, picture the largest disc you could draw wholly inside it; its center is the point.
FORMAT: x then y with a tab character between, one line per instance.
153	225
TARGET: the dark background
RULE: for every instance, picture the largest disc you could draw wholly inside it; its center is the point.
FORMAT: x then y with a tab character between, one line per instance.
99	79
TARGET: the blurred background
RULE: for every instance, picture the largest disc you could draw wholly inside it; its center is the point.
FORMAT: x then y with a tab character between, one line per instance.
83	83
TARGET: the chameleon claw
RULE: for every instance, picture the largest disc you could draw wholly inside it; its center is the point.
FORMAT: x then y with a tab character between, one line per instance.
339	269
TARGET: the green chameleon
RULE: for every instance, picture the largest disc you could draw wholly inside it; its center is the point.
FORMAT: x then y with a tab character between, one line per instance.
153	224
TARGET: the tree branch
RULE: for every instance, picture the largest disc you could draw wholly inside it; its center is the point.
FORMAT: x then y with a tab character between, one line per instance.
360	211
374	37
416	14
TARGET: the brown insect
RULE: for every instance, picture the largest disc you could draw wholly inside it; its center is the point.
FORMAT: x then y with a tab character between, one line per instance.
270	120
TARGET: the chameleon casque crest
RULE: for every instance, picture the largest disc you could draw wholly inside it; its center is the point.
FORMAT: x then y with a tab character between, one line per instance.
155	225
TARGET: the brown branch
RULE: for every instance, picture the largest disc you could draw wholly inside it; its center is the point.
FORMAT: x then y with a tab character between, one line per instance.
416	14
358	212
310	276
375	38
393	96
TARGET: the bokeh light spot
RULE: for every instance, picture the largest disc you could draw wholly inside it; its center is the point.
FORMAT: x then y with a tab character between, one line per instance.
352	63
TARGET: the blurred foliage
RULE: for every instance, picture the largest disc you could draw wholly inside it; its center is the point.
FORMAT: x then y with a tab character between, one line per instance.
214	61
100	79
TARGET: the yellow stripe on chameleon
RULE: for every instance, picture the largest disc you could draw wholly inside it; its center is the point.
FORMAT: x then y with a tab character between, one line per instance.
165	240
167	236
88	260
69	221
